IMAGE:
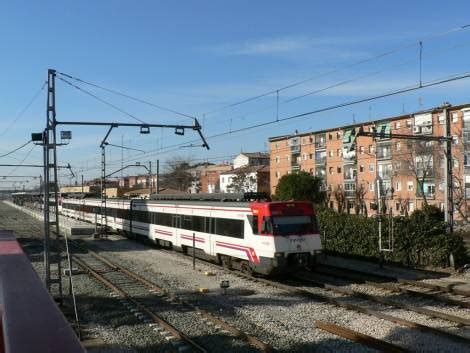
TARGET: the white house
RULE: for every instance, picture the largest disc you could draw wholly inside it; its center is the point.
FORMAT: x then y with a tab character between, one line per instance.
251	159
256	179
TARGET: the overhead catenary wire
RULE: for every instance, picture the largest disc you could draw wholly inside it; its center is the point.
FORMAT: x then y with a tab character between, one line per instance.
113	106
330	72
140	100
407	89
16	149
22	161
22	111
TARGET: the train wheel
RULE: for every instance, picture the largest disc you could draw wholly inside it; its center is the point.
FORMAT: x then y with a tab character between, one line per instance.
246	268
226	262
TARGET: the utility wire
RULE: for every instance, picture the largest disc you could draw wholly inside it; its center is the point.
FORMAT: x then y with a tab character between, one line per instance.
127	96
22	111
16	149
102	100
408	89
22	161
357	63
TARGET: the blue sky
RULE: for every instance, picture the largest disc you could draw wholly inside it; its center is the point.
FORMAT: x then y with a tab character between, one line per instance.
198	56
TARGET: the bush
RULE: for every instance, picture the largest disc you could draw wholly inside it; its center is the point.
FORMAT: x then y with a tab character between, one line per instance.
419	240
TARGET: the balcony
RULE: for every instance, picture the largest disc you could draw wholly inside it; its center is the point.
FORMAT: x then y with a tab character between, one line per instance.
295	149
384	152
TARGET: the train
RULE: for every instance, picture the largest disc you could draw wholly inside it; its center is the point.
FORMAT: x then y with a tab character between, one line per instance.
254	235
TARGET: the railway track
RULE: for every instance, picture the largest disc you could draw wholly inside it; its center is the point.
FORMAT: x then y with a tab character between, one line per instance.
188	327
296	288
437	292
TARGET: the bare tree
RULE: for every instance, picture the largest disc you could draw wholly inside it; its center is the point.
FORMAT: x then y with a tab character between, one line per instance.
460	199
340	198
360	206
420	160
178	175
403	202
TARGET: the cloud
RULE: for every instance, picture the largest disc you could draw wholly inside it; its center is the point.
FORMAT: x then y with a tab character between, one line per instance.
288	44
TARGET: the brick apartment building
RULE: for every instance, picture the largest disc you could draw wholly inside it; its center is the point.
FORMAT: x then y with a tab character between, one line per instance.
408	172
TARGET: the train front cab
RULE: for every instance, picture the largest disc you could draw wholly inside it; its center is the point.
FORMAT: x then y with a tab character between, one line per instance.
286	235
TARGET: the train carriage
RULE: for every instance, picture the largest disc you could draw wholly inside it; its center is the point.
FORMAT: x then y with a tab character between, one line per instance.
260	236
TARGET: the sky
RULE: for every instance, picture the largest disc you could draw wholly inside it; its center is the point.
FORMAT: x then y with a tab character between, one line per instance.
200	57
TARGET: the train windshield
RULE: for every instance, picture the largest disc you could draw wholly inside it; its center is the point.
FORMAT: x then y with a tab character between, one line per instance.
289	225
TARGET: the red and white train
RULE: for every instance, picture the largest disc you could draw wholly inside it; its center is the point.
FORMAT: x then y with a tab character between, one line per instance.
256	237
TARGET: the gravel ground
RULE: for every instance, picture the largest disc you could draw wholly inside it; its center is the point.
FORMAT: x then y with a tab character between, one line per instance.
281	319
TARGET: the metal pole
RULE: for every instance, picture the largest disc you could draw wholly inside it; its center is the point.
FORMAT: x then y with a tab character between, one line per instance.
150	178
194	251
449	194
449	203
47	273
158	177
82	183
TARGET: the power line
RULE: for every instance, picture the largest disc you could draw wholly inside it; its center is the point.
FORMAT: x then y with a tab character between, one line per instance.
360	62
22	161
16	149
126	96
102	100
321	110
22	111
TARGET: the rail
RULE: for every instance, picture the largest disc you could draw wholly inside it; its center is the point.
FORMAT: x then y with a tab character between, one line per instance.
26	307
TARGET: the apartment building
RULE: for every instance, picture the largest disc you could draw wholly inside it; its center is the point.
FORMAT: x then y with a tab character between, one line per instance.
356	169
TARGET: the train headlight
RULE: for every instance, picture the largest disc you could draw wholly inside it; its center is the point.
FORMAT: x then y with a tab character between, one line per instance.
278	254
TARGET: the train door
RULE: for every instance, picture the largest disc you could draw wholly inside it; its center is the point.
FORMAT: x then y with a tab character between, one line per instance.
176	224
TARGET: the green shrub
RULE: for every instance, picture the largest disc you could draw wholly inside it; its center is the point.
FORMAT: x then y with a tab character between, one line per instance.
419	240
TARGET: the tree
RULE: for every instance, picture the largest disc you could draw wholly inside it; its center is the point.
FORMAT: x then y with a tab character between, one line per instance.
360	205
178	175
419	161
300	186
243	181
340	198
460	199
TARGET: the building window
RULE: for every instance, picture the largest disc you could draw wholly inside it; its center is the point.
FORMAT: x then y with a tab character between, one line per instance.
456	163
410	186
330	170
330	137
277	145
288	158
398	146
411	206
338	135
397	125
362	149
304	157
311	156
371	167
455	117
371	186
397	206
331	153
441	119
278	159
361	168
409	124
398	186
398	166
278	174
338	151
455	139
223	180
338	170
371	149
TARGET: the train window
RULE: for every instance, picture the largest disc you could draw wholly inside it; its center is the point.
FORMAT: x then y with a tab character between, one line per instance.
198	224
229	227
253	220
164	219
187	222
